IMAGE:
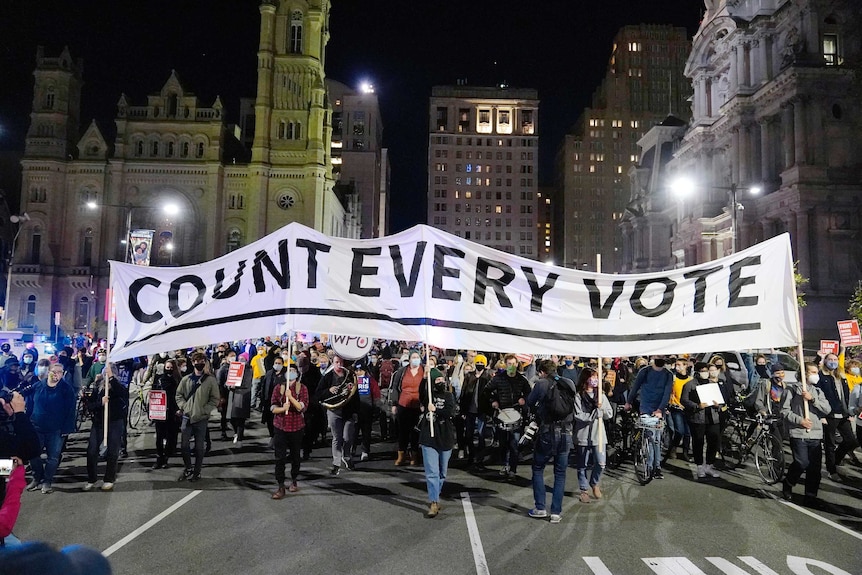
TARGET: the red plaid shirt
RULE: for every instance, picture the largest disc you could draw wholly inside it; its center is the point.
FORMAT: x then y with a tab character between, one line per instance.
293	420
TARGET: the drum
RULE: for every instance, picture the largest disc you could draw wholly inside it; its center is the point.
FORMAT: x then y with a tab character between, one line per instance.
509	418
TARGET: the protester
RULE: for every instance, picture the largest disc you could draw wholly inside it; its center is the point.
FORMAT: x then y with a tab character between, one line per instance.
654	385
677	417
52	411
238	408
197	396
342	418
315	416
116	400
12	500
508	390
438	410
167	430
405	406
473	409
834	385
369	399
288	402
704	420
592	407
272	378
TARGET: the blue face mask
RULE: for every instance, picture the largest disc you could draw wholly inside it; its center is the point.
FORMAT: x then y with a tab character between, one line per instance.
415	362
832	365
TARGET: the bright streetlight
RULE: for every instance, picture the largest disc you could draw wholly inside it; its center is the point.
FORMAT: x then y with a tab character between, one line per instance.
15	219
169	209
683	187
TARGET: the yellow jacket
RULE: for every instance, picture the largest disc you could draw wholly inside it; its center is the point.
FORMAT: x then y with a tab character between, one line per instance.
676	393
852	380
257	371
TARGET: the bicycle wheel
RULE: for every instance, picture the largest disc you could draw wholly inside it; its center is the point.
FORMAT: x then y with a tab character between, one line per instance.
136	412
80	415
642	458
733	445
769	458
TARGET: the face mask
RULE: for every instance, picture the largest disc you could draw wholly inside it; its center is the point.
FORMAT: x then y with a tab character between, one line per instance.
659	363
231	358
200	366
292	375
277	367
569	363
458	360
480	367
594	382
323	365
761	371
814	379
703	374
831	365
511	370
103	358
854	370
683	371
28	360
40	370
414	362
606	367
713	374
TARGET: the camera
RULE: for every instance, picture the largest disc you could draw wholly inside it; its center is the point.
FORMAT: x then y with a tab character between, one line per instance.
6	467
529	433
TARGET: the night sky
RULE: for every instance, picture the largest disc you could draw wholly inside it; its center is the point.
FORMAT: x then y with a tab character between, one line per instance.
560	47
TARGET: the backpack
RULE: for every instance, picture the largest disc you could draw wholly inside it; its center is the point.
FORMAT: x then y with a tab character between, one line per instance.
560	399
749	401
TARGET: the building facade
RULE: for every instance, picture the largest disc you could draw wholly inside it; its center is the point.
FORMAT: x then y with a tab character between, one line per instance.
483	159
643	84
172	150
776	93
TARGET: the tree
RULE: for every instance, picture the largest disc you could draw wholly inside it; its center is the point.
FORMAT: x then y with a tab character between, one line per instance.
800	281
855	310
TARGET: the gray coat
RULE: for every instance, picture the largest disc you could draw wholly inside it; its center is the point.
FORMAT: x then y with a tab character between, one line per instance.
239	398
587	422
793	410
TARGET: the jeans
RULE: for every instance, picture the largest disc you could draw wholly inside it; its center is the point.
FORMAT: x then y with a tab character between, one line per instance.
597	458
282	440
115	438
835	453
52	443
474	424
681	432
654	439
255	392
436	465
554	444
509	447
199	430
807	454
343	433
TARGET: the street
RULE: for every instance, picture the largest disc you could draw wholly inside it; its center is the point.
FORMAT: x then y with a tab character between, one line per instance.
372	520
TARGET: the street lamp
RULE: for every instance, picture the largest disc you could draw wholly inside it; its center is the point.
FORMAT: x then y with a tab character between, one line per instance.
169	209
684	187
15	219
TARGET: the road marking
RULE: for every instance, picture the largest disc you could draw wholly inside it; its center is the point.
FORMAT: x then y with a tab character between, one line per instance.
475	540
730	569
672	566
823	520
131	536
597	566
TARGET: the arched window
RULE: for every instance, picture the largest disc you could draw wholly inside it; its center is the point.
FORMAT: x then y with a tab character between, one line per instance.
36	245
87	247
82	313
154	148
234	240
200	150
50	99
170	150
294	43
139	148
28	312
172	105
184	150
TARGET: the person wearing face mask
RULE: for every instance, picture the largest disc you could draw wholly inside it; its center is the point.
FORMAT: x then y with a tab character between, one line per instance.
238	408
592	407
654	384
759	371
288	402
768	398
6	353
854	406
677	420
10	374
438	409
342	420
569	369
508	389
166	431
315	416
117	400
704	420
197	396
369	398
472	410
837	392
272	378
852	369
405	406
94	374
257	376
28	367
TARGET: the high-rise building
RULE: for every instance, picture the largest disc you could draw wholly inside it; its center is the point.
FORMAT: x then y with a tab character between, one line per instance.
545	204
643	84
172	149
776	93
483	159
359	160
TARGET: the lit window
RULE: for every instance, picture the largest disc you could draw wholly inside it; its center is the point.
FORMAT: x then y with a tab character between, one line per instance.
830	50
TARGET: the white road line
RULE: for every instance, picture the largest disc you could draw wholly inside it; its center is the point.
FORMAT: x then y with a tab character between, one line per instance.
823	520
131	536
597	566
475	540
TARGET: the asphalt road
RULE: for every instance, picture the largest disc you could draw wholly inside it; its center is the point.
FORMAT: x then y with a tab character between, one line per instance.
372	520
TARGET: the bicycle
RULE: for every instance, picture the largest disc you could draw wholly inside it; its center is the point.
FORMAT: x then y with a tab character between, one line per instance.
620	432
744	436
646	426
82	411
140	405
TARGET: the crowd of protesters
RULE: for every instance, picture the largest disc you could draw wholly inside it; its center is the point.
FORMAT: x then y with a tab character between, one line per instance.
469	406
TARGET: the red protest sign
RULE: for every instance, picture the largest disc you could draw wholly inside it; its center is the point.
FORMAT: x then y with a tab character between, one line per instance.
234	374
158	405
849	332
828	346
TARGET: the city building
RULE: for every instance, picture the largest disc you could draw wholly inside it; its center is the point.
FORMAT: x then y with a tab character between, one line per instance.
358	156
483	165
171	151
776	93
643	84
545	204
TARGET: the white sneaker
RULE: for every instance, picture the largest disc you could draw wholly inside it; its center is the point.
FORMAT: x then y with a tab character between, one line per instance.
556	518
88	487
108	486
363	457
701	471
712	472
46	489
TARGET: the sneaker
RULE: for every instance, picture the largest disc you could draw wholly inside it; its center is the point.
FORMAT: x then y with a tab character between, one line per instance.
88	486
712	472
348	463
293	487
556	518
583	497
701	471
195	477
538	513
657	474
107	486
363	457
335	470
185	475
835	477
46	489
235	438
786	490
34	486
504	471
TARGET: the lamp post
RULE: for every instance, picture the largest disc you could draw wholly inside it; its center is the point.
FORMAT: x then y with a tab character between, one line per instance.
15	219
684	187
168	209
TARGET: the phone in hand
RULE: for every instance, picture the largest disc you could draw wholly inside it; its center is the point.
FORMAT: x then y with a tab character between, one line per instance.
6	466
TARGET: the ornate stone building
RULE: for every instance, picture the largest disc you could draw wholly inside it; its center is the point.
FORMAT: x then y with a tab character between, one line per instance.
776	106
172	150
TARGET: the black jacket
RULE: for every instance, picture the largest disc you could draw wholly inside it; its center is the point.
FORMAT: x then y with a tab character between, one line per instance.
506	391
444	427
827	385
117	401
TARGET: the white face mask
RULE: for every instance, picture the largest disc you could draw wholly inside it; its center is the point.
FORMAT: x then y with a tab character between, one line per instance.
277	367
814	379
854	370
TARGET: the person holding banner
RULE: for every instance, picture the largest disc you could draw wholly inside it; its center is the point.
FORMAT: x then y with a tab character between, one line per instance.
837	392
288	403
167	430
704	418
592	406
117	399
438	409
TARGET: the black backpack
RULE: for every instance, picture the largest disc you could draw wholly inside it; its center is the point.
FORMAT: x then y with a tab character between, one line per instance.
560	400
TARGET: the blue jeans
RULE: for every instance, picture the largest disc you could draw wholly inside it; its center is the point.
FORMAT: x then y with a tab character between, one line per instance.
509	447
553	444
199	431
436	465
52	443
654	438
597	458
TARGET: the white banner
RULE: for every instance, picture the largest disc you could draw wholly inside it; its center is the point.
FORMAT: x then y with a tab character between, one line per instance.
424	284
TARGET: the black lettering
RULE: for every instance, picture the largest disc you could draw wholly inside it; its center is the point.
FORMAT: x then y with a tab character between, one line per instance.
441	271
174	294
700	286
357	270
483	282
736	282
312	247
666	300
603	310
262	259
538	292
234	287
408	288
135	307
